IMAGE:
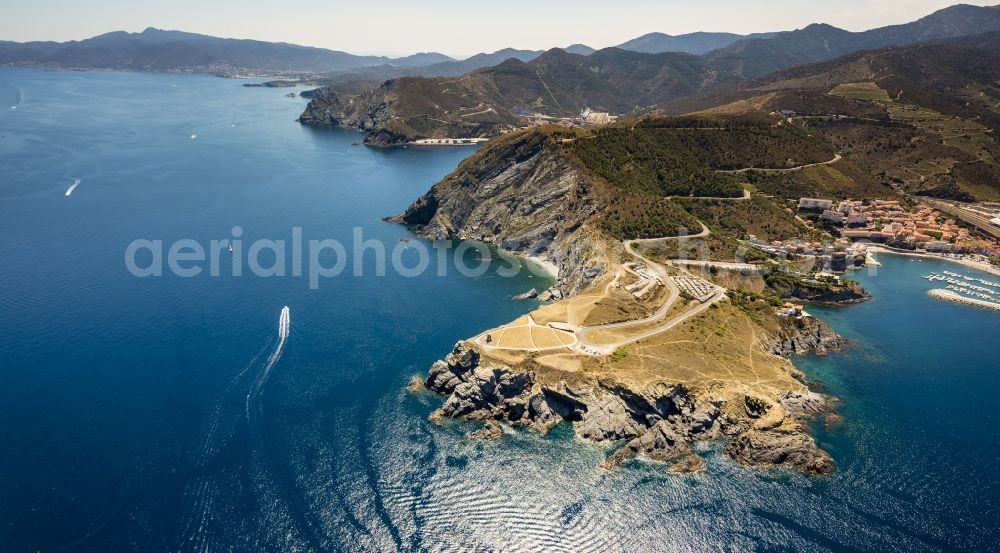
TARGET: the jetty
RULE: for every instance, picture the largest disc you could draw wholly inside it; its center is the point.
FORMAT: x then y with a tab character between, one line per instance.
949	295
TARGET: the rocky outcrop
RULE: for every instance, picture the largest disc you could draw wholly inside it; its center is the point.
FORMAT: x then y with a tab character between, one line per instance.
659	423
801	335
529	295
786	447
524	196
368	112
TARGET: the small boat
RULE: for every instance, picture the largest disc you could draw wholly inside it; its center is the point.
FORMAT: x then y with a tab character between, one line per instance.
230	248
193	136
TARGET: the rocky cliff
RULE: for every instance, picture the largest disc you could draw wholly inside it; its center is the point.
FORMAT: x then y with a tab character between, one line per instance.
659	423
805	335
523	195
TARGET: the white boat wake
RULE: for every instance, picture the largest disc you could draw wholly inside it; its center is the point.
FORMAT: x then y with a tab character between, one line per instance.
207	490
72	187
284	321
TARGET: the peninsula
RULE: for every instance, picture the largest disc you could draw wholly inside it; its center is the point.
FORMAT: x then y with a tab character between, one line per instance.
645	352
686	246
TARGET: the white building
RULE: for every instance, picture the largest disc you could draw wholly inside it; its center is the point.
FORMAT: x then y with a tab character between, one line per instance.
833	216
857	218
814	204
938	246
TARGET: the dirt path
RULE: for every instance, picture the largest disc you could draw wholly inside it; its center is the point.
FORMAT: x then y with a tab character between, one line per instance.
835	159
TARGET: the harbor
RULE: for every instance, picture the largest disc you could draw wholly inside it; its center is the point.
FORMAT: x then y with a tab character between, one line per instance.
965	289
952	296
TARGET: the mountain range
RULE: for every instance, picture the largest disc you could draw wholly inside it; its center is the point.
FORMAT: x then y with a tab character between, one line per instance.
163	50
486	101
745	56
692	43
557	83
754	57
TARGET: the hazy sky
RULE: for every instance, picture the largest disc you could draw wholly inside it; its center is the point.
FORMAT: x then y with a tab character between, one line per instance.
457	28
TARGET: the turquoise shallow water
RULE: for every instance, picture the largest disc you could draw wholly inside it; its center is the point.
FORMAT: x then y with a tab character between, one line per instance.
125	422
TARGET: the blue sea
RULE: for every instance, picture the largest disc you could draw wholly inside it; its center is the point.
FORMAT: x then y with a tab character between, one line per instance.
166	413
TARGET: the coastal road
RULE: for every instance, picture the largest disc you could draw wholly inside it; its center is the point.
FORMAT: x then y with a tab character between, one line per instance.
606	349
661	274
745	196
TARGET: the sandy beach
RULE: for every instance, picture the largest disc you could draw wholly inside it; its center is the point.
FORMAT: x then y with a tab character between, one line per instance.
549	267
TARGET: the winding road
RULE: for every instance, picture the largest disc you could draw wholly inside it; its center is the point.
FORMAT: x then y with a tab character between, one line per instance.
835	159
674	293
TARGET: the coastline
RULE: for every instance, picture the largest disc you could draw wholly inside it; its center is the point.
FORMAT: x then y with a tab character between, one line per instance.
979	266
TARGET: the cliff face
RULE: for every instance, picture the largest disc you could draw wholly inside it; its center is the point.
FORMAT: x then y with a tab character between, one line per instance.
659	423
523	195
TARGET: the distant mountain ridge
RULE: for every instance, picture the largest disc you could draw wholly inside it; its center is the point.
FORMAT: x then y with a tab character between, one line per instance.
754	57
484	102
692	43
744	56
161	50
560	84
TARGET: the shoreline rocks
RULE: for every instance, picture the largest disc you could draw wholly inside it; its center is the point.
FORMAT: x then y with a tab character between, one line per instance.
658	424
529	295
802	335
845	294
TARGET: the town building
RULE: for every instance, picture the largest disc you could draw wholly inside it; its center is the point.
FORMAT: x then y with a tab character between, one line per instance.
814	204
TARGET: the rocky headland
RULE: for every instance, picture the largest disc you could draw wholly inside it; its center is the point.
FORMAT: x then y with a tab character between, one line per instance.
802	335
660	422
723	376
407	109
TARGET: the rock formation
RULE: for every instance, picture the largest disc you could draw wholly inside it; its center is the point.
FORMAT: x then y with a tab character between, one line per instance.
801	335
659	423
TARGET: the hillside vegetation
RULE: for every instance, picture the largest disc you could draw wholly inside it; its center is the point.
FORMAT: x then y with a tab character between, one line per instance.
921	118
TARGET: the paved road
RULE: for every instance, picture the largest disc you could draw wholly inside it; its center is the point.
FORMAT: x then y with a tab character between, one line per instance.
660	313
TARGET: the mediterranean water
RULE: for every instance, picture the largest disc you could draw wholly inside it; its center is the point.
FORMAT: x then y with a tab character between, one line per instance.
167	413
